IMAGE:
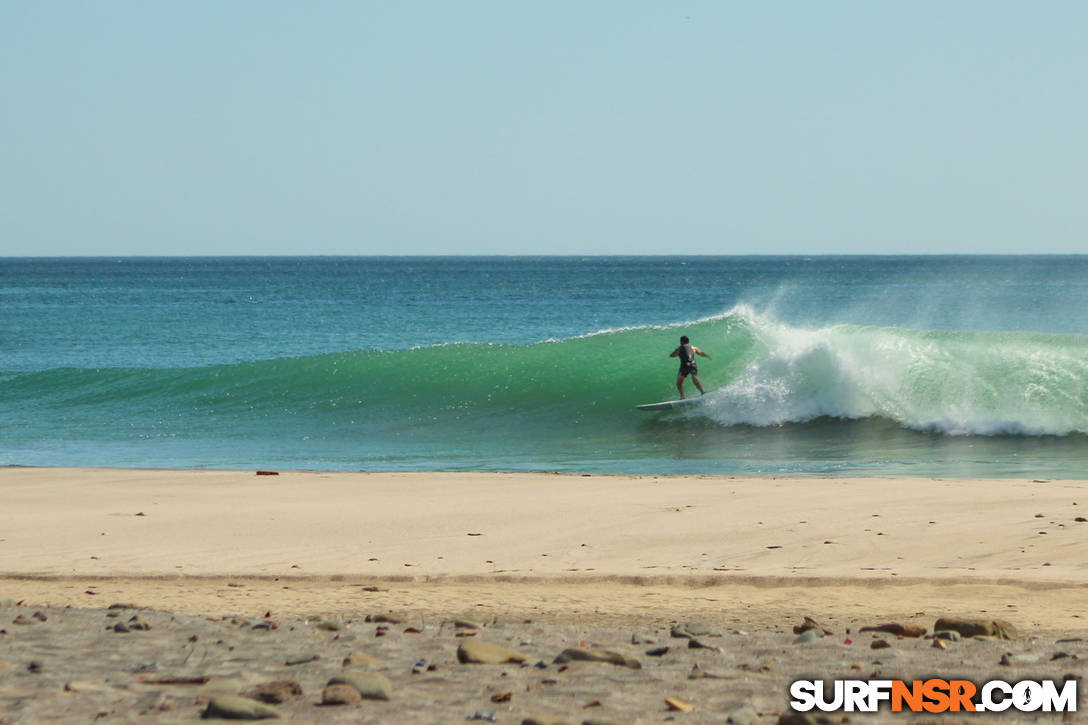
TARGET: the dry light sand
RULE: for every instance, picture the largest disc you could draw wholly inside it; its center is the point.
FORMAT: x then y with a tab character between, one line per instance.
623	544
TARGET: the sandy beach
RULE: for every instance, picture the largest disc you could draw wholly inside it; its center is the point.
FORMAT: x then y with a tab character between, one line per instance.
539	563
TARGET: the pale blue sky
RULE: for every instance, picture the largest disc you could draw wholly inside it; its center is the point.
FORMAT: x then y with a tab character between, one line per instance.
263	127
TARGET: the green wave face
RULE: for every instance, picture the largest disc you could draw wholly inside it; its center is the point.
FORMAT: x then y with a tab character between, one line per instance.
576	396
531	395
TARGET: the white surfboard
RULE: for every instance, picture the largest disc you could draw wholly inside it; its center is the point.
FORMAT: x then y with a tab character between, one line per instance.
666	404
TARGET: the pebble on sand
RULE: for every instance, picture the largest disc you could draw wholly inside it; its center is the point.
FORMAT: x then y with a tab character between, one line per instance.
481	652
233	707
579	654
467	624
899	630
998	628
673	703
811	624
340	694
371	685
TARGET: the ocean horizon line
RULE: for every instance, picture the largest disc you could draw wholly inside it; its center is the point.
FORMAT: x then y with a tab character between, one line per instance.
796	255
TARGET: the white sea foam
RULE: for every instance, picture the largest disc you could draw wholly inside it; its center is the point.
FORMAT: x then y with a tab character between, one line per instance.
957	383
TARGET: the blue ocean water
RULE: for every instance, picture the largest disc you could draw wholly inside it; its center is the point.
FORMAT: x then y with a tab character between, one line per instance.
882	365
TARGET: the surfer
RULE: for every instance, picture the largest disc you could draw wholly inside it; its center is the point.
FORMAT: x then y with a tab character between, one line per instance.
687	352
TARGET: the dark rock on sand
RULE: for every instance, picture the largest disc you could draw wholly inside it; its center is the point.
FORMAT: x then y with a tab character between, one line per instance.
580	654
998	628
136	625
810	624
695	643
899	630
233	707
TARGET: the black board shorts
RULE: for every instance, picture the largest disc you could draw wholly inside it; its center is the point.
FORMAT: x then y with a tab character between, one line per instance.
686	370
